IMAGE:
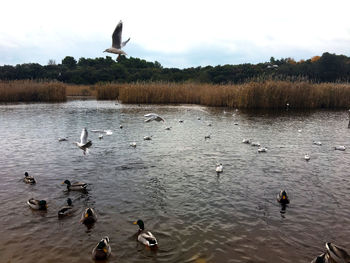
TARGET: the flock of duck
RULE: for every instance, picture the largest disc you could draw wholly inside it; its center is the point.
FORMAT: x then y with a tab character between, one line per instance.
103	249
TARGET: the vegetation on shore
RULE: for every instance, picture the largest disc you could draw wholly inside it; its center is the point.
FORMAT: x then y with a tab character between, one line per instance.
87	71
251	95
32	91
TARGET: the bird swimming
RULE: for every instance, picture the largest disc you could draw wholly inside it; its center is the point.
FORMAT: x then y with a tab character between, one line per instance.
219	168
117	43
88	217
333	254
262	150
78	186
282	197
307	157
37	204
153	117
339	148
102	249
145	237
28	179
66	210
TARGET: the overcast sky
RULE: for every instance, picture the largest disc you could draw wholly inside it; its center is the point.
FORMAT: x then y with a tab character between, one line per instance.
175	33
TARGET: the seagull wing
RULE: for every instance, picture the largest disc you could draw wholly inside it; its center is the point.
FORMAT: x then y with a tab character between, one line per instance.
151	115
150	119
117	35
124	43
83	137
158	118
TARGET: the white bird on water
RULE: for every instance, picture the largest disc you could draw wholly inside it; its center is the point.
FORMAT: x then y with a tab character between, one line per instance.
153	117
307	157
84	143
219	168
117	43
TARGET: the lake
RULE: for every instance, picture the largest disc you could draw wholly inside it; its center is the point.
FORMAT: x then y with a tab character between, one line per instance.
170	183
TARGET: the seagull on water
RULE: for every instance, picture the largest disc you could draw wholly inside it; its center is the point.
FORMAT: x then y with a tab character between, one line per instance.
153	117
219	168
117	43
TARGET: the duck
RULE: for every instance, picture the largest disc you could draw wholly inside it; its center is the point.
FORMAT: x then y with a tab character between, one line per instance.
145	237
102	250
147	138
62	139
339	148
88	216
37	204
120	126
168	128
66	210
219	168
317	143
28	179
282	198
100	136
333	253
307	157
78	186
133	144
255	144
207	137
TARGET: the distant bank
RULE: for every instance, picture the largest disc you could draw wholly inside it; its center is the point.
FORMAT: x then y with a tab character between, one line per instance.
269	94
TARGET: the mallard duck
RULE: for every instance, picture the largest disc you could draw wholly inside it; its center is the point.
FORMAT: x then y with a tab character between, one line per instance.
78	186
333	254
145	237
28	179
37	204
219	168
282	198
66	210
89	216
102	249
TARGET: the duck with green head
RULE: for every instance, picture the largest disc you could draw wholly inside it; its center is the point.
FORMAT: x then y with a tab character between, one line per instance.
145	237
28	179
78	186
66	210
102	250
37	204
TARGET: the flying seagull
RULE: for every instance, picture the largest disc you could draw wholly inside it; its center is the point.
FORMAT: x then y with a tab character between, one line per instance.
117	43
84	143
153	117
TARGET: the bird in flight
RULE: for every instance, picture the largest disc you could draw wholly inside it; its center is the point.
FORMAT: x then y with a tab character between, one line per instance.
117	43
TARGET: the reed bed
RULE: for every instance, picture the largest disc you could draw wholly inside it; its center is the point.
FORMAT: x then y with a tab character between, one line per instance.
81	90
34	91
108	91
269	94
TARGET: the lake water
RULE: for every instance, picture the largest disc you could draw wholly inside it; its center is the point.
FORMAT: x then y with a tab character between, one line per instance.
170	183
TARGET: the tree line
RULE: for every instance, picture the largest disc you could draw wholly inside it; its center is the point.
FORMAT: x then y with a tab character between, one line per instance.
318	69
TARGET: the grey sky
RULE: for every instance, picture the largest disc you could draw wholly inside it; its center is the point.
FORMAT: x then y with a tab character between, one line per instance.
175	33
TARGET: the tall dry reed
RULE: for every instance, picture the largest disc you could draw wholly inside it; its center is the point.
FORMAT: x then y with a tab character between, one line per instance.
28	90
269	94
